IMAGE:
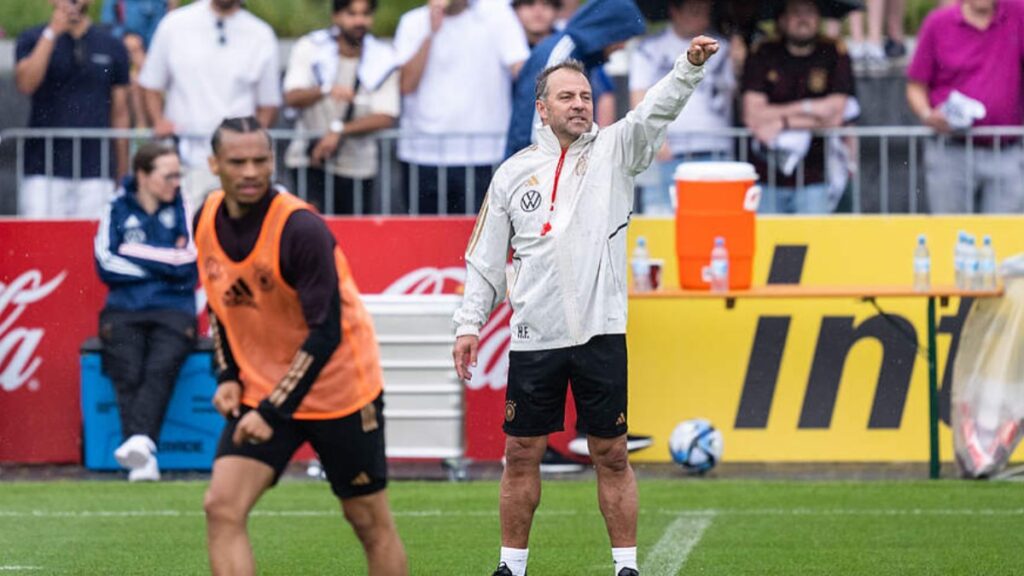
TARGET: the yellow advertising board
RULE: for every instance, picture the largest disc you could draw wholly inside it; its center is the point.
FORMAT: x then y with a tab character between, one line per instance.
805	380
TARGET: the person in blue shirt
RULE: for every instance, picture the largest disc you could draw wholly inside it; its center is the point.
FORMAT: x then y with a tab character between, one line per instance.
146	256
596	30
139	16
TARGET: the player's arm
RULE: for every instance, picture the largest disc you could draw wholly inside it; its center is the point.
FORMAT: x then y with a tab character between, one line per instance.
643	130
228	397
307	265
486	256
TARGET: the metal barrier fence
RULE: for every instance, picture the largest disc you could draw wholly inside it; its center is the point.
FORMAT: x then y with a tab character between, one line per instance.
885	165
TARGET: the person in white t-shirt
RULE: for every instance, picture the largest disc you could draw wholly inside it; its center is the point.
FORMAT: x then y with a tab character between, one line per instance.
343	81
458	59
710	107
208	61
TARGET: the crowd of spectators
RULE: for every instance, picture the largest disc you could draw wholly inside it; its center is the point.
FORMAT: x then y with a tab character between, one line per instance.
457	82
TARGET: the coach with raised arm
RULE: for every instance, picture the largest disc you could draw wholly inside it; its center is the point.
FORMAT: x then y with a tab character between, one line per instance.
562	206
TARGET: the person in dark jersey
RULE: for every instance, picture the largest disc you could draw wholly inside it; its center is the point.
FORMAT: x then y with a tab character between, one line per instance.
296	355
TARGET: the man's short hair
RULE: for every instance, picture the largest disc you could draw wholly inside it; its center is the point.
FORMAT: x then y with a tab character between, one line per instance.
339	5
241	125
542	79
556	4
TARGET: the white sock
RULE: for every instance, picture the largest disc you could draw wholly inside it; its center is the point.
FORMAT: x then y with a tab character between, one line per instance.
515	559
624	558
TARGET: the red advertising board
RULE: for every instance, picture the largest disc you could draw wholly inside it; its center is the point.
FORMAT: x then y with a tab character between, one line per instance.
50	298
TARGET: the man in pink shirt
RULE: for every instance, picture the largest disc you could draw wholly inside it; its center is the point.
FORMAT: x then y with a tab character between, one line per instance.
976	48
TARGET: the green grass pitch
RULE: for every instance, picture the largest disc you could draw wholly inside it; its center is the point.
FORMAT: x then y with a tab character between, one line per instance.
712	527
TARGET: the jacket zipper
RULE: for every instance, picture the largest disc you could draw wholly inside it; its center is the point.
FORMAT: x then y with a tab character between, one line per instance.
554	193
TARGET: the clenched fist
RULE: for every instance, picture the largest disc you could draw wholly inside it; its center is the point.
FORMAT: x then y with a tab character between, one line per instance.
701	48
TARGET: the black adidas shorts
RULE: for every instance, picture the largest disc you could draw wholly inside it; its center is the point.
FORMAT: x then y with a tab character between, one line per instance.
351	449
537	382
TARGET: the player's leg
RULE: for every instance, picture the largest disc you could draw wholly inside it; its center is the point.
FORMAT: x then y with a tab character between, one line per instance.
599	381
534	408
241	474
351	451
371	519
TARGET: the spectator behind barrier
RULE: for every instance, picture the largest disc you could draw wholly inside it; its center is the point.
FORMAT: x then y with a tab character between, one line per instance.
709	108
139	16
599	28
872	49
77	77
458	61
209	60
343	80
975	49
537	18
136	48
792	84
145	255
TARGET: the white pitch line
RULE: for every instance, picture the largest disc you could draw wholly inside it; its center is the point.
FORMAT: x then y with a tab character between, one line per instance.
19	568
431	513
675	545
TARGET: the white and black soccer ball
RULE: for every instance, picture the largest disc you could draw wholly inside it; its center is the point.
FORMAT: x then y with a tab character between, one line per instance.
695	445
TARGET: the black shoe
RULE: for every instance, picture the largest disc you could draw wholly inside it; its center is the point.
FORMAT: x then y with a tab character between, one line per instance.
629	572
555	463
503	570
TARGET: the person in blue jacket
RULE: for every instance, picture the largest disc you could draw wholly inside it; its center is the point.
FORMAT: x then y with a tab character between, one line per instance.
597	29
146	256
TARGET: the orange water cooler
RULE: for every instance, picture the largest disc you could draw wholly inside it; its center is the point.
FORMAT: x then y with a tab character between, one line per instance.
715	199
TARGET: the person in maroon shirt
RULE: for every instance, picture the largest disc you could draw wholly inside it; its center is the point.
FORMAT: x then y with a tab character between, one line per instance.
799	81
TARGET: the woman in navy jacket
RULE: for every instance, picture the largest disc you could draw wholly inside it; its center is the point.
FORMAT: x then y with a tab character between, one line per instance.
145	255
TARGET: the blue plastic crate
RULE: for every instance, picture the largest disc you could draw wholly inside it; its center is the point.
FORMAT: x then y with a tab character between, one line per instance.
188	440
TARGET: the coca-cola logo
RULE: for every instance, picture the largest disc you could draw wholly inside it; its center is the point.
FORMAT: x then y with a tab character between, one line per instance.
492	355
19	361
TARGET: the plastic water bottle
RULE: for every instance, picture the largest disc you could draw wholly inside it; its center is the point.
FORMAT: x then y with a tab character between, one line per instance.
959	260
986	265
641	265
922	265
970	263
719	266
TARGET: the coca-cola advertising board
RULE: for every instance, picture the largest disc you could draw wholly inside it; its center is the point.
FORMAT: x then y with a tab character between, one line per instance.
50	298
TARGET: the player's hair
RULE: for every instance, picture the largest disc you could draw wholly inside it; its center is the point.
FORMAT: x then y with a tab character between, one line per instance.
146	155
542	79
339	5
241	125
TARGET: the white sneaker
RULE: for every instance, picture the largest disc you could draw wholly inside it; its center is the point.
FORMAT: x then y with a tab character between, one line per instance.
149	472
135	452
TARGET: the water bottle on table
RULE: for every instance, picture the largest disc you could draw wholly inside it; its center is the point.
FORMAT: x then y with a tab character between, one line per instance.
987	265
641	265
922	265
719	266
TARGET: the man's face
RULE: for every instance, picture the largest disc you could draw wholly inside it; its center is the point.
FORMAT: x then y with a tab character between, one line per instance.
691	19
354	21
75	9
800	21
537	16
980	5
225	5
244	163
567	108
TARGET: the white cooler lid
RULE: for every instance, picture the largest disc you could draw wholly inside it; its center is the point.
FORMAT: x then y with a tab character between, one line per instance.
716	171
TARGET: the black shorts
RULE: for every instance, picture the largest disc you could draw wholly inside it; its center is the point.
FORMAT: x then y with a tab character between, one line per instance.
537	382
351	449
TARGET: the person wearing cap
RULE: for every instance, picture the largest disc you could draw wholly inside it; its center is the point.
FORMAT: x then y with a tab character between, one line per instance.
971	53
792	84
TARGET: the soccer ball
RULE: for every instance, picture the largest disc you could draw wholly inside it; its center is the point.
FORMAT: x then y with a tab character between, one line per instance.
695	445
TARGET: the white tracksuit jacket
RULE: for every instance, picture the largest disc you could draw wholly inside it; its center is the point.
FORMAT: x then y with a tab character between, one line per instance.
569	284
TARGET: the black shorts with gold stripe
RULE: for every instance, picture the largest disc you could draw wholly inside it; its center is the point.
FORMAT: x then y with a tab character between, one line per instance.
351	449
